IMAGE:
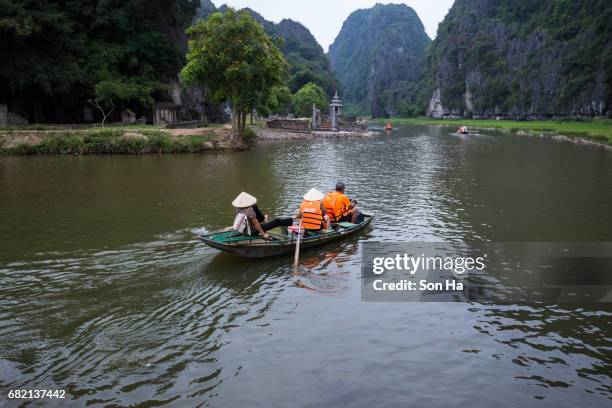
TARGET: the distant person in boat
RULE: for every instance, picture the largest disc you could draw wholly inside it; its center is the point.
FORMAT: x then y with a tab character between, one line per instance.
340	208
312	212
249	219
389	126
463	130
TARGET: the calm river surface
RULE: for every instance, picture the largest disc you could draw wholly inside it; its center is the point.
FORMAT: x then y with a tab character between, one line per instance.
105	292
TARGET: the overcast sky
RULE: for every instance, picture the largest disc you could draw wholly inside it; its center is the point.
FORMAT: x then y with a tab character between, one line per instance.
324	18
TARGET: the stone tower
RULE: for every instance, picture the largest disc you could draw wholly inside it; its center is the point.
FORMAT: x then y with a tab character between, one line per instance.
335	111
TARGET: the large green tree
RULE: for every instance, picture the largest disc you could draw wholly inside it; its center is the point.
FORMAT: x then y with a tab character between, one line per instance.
232	55
306	96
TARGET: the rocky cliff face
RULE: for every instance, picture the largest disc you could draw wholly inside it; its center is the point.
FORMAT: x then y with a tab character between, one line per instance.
206	8
521	58
377	58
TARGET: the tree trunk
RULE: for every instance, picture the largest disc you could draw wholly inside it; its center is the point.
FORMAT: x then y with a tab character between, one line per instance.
244	119
235	119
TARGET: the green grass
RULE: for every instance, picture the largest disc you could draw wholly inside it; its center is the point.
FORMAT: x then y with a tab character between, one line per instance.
86	127
597	129
94	127
113	141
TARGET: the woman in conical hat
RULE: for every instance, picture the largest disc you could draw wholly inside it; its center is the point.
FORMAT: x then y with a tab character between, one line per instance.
259	223
244	200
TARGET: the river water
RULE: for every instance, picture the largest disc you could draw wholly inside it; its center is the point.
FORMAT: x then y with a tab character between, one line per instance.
106	294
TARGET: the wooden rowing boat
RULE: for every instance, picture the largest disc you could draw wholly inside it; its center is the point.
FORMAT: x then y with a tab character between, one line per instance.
256	247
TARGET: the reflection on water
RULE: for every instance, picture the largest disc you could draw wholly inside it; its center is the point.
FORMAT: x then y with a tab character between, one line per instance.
105	292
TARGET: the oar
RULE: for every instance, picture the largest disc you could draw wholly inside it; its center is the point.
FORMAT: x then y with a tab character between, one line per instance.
296	260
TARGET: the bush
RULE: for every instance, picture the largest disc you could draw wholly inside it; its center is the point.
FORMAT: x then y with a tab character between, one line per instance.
25	149
250	136
99	143
61	144
160	142
129	145
190	144
115	142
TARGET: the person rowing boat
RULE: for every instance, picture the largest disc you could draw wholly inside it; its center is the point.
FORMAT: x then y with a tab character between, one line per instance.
249	219
340	208
463	130
230	241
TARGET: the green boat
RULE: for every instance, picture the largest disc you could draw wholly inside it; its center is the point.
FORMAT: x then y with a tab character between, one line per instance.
255	247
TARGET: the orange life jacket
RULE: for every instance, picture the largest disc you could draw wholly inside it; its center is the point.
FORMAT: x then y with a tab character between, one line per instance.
335	209
312	216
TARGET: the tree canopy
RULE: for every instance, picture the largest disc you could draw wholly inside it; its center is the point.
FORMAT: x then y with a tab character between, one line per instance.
61	54
232	55
306	96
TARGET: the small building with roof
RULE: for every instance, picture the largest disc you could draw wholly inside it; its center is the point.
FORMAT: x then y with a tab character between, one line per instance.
128	117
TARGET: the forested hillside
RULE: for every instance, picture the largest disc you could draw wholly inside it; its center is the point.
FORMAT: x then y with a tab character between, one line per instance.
377	57
307	61
57	55
521	58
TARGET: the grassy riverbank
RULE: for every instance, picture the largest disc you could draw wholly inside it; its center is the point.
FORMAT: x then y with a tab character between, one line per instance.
599	130
107	141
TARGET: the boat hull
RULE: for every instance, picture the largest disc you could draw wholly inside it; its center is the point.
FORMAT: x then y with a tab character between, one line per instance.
258	248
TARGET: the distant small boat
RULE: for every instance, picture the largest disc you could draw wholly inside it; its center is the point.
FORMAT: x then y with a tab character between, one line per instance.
463	130
257	247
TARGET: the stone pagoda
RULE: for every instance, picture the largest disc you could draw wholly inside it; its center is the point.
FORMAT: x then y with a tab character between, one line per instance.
335	111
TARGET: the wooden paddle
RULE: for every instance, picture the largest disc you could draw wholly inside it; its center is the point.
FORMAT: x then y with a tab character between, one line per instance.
296	260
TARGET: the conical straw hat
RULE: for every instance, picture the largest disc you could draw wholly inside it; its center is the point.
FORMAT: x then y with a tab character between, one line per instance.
314	195
244	200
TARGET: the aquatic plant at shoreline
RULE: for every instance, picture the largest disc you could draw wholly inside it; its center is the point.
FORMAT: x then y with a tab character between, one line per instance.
599	130
112	142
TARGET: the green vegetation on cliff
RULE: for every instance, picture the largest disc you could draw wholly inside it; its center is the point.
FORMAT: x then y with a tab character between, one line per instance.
377	58
57	55
521	58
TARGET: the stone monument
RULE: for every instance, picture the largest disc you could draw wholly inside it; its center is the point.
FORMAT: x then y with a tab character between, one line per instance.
335	111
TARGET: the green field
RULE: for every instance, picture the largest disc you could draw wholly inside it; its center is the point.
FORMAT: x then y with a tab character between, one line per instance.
597	129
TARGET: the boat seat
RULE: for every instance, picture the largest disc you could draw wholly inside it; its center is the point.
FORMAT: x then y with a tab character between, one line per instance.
241	238
345	224
232	236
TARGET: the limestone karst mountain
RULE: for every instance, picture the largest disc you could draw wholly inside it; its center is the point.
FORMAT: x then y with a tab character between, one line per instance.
377	58
521	58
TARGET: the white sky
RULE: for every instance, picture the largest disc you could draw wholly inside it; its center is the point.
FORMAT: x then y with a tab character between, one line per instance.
324	18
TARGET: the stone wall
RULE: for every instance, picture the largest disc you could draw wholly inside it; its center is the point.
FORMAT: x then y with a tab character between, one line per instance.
353	127
296	125
192	124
